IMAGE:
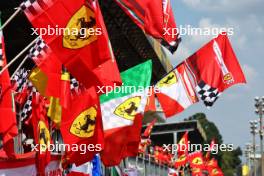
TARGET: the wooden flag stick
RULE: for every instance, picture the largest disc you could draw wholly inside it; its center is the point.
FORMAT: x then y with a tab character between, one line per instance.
10	18
20	65
19	54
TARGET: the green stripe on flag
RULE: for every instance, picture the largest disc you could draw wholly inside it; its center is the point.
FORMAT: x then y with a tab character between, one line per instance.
134	79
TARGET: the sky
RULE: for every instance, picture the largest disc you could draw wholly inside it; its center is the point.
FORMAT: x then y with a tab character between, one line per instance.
235	107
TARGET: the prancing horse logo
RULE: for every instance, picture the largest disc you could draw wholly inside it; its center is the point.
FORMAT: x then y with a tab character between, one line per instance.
83	126
129	108
168	80
44	136
80	30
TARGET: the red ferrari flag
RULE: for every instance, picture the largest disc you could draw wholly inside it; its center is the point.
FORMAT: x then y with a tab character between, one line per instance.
155	18
183	145
215	68
75	32
212	147
82	125
126	141
196	160
181	161
148	130
41	132
8	128
176	92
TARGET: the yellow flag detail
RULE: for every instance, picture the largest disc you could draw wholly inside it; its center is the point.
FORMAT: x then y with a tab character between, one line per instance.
54	111
39	79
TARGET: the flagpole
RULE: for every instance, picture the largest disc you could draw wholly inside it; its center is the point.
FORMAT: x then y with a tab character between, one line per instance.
10	18
18	55
20	65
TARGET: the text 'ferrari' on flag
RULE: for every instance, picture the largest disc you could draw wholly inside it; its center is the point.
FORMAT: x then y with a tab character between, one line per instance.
215	68
121	113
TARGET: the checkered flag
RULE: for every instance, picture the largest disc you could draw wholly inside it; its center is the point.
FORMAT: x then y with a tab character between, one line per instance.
39	51
27	108
74	84
20	80
34	7
207	93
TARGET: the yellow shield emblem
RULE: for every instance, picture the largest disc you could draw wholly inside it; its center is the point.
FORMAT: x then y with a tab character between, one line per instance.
128	109
197	161
168	80
44	136
83	126
78	30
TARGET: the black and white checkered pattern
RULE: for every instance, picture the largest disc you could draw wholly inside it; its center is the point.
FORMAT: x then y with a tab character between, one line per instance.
27	108
207	93
74	84
35	7
20	79
39	51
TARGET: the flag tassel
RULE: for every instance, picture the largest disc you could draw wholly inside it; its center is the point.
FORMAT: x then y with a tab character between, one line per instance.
19	54
10	18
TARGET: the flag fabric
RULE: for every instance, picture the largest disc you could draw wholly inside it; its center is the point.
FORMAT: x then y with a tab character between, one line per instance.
41	132
213	168
26	110
215	68
211	164
20	81
121	114
54	111
148	130
176	92
65	88
151	102
216	172
26	165
183	146
196	160
46	76
212	145
82	170
116	171
153	17
181	161
8	128
197	172
77	46
82	125
172	172
96	162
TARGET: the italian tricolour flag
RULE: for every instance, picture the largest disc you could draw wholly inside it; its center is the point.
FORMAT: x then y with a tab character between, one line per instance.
121	114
